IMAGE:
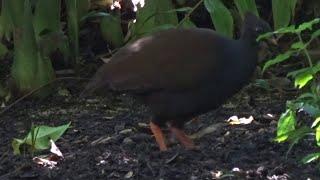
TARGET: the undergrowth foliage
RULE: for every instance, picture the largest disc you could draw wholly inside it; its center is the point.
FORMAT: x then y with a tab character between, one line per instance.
290	128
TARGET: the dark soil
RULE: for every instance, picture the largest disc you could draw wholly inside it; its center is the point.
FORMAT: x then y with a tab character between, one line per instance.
109	139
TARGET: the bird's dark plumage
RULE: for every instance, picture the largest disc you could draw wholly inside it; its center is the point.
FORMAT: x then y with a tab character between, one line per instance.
181	73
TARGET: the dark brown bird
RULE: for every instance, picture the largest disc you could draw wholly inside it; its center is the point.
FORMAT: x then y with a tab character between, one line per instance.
181	73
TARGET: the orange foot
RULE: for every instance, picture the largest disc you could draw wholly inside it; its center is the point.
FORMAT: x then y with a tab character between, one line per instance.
160	139
183	138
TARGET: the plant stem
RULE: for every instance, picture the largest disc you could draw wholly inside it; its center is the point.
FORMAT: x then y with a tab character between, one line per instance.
189	13
305	51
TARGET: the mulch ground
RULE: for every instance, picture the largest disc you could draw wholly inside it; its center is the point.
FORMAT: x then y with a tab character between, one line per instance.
109	139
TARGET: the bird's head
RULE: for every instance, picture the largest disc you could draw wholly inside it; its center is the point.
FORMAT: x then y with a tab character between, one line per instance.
253	26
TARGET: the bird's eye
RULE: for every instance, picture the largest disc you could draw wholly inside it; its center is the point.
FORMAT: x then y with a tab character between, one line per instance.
258	29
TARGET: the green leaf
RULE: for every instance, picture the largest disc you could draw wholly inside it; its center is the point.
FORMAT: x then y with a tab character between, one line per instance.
285	30
318	134
188	24
244	6
297	134
154	13
316	122
40	137
302	79
307	25
111	30
282	12
221	17
280	58
310	157
47	16
286	124
298	45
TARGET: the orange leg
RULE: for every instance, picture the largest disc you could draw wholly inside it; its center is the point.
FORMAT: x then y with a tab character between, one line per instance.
183	138
157	132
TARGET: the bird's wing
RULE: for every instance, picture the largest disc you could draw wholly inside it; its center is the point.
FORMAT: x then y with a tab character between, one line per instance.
177	61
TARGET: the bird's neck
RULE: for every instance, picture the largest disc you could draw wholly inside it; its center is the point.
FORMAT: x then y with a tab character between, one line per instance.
249	39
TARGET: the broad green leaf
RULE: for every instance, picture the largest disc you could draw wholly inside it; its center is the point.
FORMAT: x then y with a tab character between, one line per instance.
280	58
76	10
47	16
282	12
311	157
6	26
292	5
286	124
111	30
244	6
154	13
24	67
221	17
40	137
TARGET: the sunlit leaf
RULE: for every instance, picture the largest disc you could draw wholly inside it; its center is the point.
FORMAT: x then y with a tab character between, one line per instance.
221	17
316	122
40	137
286	124
318	132
280	58
310	157
302	79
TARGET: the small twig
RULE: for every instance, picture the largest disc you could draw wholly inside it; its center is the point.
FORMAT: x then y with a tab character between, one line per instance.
190	12
35	90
